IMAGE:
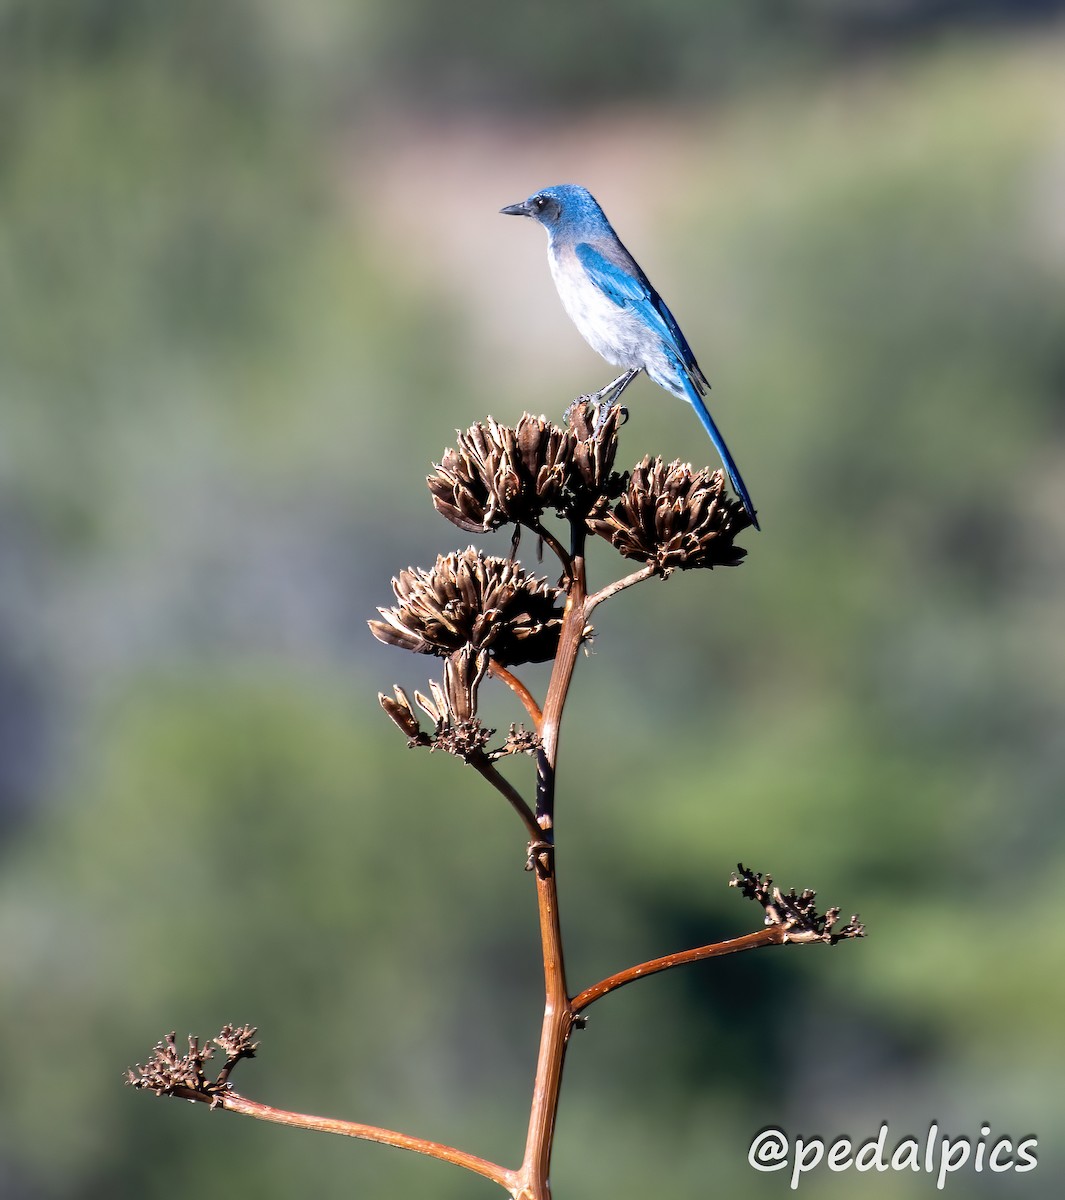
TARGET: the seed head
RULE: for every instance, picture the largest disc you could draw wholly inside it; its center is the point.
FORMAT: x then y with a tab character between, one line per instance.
592	478
672	516
497	475
475	600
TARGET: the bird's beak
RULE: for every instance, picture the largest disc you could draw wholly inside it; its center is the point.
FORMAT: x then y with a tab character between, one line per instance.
515	210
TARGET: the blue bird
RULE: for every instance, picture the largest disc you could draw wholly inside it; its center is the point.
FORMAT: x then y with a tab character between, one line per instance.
615	308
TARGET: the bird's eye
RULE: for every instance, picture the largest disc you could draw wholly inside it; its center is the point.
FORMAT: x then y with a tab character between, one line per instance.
539	203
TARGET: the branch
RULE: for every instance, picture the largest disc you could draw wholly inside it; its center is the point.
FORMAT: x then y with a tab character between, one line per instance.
510	793
169	1073
790	917
771	936
619	585
498	671
555	545
234	1102
371	1133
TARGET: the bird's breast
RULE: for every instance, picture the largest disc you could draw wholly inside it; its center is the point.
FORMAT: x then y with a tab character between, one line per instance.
614	331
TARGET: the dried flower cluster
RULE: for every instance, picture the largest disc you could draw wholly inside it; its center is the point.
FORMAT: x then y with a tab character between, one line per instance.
498	475
472	599
673	517
452	707
465	739
488	609
169	1073
592	479
796	913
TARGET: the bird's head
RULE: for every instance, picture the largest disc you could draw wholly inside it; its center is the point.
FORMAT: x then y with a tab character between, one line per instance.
565	204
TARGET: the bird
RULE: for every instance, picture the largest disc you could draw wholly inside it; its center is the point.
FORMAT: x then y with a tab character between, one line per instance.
616	310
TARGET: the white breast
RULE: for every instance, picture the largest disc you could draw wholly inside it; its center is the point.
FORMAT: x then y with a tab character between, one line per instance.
616	333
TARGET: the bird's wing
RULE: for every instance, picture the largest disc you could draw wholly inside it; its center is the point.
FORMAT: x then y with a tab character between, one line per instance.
619	277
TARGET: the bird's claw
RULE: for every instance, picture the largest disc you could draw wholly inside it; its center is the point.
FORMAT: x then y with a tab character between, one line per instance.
606	397
577	402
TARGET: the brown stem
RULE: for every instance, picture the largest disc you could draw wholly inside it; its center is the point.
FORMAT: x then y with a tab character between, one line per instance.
488	771
557	548
574	619
558	1013
234	1102
519	689
554	1037
619	585
772	935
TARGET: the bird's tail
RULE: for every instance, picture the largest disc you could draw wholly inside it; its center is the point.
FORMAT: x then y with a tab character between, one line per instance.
707	420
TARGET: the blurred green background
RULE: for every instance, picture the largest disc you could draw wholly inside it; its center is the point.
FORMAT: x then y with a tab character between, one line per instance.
251	280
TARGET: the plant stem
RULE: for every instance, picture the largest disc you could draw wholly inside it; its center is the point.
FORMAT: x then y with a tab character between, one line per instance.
574	619
558	1013
773	935
550	540
619	585
498	671
488	771
554	1038
234	1102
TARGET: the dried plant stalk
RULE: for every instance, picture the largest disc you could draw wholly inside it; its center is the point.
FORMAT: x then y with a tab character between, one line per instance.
485	616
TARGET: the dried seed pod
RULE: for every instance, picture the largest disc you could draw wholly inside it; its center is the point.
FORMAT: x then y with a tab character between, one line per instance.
403	715
498	475
502	476
451	707
673	517
475	600
592	479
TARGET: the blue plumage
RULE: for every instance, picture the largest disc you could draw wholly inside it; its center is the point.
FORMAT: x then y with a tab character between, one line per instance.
615	308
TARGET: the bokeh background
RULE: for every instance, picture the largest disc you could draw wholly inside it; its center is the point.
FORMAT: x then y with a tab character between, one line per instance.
251	280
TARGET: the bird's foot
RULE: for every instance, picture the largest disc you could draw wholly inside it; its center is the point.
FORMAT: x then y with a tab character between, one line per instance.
583	399
575	403
607	396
